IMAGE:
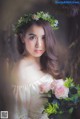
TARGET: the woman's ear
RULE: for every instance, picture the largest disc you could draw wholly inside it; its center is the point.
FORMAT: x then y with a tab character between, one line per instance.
22	38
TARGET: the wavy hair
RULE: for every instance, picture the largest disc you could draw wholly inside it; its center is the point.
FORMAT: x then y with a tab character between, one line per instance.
49	60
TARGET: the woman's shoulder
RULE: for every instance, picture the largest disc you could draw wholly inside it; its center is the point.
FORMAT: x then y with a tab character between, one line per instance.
21	63
18	69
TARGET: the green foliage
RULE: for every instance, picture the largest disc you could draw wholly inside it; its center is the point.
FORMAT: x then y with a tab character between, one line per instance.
51	108
78	88
69	82
39	15
67	104
45	16
71	110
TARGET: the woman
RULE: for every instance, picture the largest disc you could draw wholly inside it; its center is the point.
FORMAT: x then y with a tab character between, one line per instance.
38	64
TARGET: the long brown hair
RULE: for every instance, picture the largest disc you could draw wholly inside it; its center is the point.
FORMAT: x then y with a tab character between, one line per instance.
49	60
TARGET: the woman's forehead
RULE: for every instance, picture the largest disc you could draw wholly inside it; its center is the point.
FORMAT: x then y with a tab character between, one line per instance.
35	30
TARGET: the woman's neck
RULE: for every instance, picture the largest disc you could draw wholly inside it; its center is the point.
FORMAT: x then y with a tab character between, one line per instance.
32	59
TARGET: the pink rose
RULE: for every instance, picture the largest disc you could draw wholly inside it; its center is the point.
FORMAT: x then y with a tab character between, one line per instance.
59	82
58	88
61	92
56	83
44	88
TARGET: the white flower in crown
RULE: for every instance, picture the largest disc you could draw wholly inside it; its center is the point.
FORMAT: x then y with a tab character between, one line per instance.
46	15
35	17
56	23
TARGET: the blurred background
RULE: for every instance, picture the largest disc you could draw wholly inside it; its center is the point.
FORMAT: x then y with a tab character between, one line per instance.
68	39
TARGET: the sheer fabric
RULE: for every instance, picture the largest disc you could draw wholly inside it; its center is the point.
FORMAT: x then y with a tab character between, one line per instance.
28	99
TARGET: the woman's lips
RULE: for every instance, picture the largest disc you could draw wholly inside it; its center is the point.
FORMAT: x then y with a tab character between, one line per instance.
38	51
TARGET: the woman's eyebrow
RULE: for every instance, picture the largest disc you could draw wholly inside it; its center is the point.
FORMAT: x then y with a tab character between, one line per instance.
31	34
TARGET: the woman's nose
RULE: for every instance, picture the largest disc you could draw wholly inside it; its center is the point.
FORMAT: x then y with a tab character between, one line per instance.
38	43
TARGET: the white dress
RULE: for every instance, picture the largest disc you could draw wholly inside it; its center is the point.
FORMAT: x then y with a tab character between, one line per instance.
29	103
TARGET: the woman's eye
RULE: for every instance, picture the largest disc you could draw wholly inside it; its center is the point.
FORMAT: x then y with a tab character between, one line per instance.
32	37
43	37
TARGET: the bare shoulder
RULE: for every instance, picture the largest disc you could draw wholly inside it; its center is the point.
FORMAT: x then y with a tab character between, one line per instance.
18	70
25	72
22	63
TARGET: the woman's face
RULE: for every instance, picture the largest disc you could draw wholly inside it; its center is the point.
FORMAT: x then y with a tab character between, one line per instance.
34	41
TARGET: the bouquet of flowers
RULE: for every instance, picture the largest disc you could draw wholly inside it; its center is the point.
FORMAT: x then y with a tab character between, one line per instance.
63	97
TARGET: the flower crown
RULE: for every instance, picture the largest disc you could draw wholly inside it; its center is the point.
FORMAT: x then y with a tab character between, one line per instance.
39	15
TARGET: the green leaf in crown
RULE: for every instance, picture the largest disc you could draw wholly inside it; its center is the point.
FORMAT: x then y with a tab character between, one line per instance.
39	15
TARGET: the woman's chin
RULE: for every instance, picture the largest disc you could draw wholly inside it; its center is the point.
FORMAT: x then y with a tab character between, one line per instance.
37	55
